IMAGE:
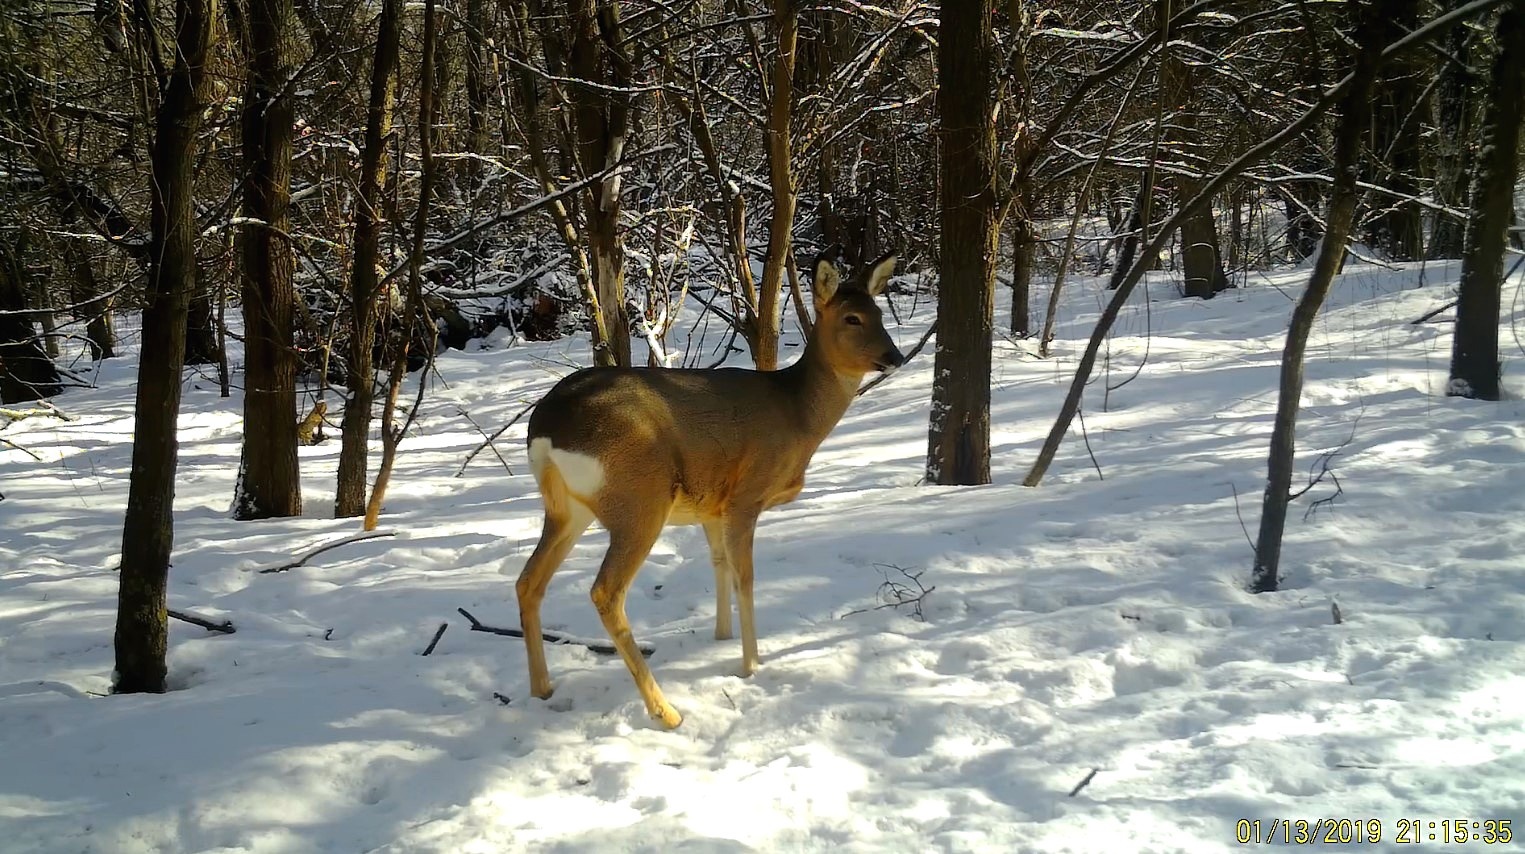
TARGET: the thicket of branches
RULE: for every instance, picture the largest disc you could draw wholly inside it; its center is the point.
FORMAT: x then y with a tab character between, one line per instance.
364	182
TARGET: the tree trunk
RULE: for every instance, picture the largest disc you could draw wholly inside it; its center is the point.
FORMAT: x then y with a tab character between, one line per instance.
413	308
958	447
1201	261
365	286
1140	214
148	533
596	55
201	324
1024	251
99	334
1399	229
268	482
1475	347
1342	205
1455	111
478	89
26	372
786	23
48	319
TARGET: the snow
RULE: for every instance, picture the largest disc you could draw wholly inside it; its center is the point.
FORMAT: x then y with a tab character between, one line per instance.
1086	624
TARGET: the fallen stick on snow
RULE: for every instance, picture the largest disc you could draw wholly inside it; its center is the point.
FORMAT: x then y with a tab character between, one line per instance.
358	538
1429	314
593	646
439	633
225	627
43	409
1083	783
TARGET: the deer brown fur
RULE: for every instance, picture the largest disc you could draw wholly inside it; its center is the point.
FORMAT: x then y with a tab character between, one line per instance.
639	449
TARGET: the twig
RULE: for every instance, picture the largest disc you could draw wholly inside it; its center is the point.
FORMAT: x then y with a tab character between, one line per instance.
1429	314
1242	526
1334	611
225	627
358	538
438	633
501	698
490	439
1080	413
483	433
896	594
1083	783
27	451
550	637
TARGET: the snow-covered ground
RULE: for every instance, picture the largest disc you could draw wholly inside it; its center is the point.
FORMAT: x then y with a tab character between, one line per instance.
1087	624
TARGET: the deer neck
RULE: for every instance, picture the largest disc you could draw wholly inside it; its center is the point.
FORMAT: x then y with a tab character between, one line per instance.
822	391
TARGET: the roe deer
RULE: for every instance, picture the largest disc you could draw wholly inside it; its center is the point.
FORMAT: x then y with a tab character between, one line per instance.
639	449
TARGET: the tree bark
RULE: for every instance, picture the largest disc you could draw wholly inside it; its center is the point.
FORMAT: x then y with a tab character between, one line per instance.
1024	250
1395	129
958	446
478	89
597	55
413	308
268	482
365	285
1201	260
148	533
1475	346
26	372
1349	134
201	324
786	24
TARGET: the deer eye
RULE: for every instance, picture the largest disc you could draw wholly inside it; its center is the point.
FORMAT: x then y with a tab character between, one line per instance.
854	320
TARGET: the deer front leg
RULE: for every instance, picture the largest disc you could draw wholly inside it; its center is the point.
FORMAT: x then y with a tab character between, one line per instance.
740	530
714	531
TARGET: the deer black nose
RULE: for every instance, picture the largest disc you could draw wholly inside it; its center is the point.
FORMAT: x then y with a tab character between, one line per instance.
891	359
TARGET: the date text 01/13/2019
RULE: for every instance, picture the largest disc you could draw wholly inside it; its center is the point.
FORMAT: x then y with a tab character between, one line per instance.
1321	831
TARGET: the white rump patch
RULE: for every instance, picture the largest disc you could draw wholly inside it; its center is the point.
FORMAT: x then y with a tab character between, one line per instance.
583	473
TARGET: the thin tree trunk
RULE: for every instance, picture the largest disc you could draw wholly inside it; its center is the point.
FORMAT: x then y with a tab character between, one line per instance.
786	24
1475	346
201	323
1024	250
391	435
1201	261
958	446
478	89
365	287
100	336
596	55
26	372
268	481
148	532
1399	230
561	213
1342	206
48	320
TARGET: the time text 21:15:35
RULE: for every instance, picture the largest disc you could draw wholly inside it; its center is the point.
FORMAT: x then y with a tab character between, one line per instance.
1330	831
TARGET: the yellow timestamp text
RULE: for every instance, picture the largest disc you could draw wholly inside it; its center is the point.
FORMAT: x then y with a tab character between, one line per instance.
1363	831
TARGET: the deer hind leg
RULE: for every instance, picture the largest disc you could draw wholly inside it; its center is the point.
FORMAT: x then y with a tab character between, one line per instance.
725	579
740	529
633	529
565	522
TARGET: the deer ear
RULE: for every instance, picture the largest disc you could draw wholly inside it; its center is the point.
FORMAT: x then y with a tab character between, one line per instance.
878	277
825	284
